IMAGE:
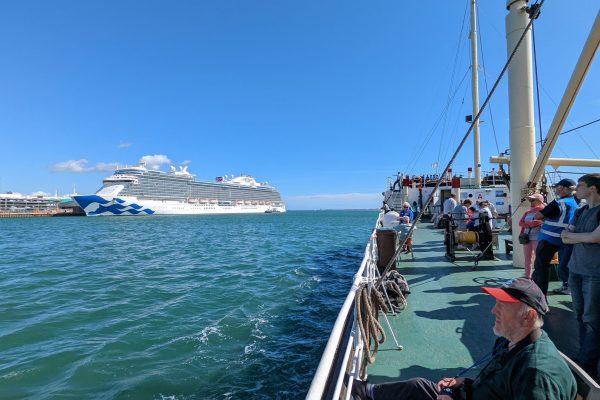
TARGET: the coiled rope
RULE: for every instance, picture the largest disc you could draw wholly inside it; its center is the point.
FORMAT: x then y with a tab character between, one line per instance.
395	293
368	302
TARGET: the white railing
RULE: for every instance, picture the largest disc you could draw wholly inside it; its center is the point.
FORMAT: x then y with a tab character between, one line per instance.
325	374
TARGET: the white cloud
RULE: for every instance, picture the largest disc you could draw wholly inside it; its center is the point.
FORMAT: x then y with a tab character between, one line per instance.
334	201
105	167
70	166
124	145
81	165
155	161
186	162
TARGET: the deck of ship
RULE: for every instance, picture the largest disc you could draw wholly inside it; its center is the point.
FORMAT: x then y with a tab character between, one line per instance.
447	324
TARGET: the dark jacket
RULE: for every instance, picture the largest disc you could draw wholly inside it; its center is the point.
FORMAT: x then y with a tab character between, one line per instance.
532	370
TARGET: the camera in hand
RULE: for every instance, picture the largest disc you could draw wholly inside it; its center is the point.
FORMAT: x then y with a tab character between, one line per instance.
447	391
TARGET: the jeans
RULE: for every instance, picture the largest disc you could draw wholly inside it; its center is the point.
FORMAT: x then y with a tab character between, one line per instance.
585	291
541	267
414	389
563	261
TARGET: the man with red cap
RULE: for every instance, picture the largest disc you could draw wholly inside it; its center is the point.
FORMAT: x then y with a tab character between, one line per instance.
524	363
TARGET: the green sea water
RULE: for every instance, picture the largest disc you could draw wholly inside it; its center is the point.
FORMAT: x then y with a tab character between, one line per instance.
190	307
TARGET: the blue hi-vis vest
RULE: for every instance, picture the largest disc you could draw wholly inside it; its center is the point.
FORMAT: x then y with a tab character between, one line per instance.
552	227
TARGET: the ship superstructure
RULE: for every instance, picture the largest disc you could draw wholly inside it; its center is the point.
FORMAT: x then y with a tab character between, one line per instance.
141	191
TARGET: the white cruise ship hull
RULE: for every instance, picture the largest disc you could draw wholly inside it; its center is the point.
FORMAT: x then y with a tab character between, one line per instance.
95	205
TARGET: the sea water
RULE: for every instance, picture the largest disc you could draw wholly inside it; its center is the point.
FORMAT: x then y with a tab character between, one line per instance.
189	307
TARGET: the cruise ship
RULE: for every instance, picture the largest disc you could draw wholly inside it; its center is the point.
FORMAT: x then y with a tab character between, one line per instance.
141	191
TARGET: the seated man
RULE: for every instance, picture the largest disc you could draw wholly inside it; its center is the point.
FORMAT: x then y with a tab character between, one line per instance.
524	363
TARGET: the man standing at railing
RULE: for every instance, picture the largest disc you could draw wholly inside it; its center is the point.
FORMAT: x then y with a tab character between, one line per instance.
524	363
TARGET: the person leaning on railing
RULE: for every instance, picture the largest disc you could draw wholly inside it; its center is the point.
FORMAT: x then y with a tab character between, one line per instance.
523	365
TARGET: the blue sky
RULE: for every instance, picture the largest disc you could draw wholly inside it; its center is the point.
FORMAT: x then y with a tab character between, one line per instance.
322	99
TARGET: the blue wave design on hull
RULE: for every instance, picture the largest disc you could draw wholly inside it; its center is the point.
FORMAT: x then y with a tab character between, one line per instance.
107	207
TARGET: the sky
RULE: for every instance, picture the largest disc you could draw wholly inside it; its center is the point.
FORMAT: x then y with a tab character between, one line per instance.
322	99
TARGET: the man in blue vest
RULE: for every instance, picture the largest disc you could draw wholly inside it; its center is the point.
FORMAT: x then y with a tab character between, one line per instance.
556	216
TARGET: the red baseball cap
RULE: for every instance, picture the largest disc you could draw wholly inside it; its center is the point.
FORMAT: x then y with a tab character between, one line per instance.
520	290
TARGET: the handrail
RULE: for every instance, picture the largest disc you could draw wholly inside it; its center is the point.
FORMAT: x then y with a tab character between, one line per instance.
587	387
319	382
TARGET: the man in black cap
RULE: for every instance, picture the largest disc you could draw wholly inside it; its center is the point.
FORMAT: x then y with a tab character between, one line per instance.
524	363
556	215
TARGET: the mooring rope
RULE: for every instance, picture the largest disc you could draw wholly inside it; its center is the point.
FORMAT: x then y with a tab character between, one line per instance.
368	302
394	291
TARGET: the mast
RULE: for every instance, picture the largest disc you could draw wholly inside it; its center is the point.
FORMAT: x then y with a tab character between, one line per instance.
521	113
475	94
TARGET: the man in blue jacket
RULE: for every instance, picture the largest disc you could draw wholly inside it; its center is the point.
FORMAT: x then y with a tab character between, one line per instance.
556	216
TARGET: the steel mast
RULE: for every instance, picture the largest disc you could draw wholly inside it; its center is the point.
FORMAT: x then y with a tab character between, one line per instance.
475	94
521	113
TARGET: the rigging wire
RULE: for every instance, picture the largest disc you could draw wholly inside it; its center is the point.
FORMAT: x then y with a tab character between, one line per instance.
452	76
464	139
544	152
485	80
417	155
577	127
537	86
590	148
452	141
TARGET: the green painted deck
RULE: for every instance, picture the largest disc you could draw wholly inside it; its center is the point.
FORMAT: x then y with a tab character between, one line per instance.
447	324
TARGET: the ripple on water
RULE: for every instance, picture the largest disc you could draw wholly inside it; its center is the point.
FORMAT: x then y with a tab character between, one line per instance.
175	307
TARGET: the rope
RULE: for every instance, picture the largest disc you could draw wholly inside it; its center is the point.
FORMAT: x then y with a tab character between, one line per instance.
394	291
485	79
367	313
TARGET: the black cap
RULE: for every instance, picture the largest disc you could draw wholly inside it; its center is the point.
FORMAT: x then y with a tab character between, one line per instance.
520	290
568	183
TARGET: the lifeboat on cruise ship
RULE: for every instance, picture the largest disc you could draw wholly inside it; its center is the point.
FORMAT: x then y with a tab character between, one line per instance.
213	201
261	203
254	203
240	202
